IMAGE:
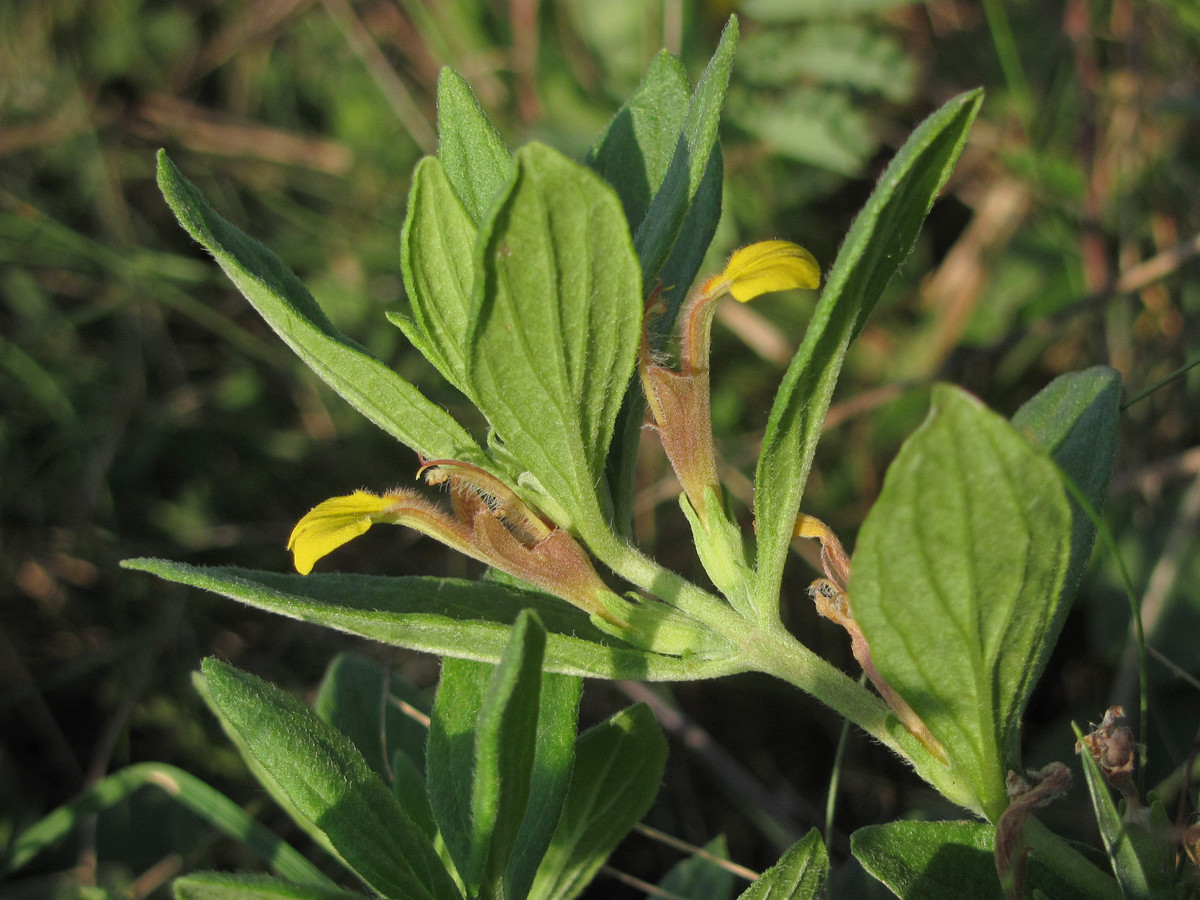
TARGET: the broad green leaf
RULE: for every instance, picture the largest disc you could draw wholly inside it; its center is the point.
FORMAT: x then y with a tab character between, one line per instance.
635	150
555	337
701	878
223	886
449	617
798	875
354	699
1074	418
1140	844
938	860
880	238
475	157
327	783
553	762
437	246
956	578
660	229
618	768
209	805
367	384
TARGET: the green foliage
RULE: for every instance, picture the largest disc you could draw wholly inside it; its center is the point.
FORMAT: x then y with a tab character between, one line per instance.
957	576
129	423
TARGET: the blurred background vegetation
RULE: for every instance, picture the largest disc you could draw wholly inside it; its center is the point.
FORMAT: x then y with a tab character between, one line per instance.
147	411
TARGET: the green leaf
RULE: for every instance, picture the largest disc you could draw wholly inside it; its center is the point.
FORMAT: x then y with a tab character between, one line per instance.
1140	843
550	779
955	582
326	783
450	766
367	384
660	229
222	886
408	787
1074	418
636	148
937	860
437	246
449	617
798	875
700	878
880	238
555	337
476	160
618	768
209	805
505	742
354	698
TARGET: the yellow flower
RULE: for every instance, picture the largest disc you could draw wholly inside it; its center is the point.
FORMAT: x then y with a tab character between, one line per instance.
766	267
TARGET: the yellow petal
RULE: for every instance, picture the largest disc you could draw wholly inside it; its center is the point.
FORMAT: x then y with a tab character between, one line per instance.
332	523
769	266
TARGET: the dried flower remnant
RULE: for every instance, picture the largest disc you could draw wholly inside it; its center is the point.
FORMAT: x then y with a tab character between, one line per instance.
489	522
680	401
1115	751
832	601
1025	794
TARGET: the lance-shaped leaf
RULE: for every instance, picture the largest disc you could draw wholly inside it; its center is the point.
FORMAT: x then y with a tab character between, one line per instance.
955	581
556	332
799	875
450	617
690	164
323	780
437	247
277	294
484	761
618	768
880	238
469	146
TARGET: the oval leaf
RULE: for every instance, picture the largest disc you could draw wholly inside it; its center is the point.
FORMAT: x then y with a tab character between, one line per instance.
956	578
555	335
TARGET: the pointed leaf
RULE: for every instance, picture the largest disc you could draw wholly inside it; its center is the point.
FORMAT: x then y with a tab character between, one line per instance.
369	386
880	238
550	779
956	578
327	783
408	787
450	766
437	246
660	229
556	334
475	157
223	886
636	148
449	617
618	768
799	875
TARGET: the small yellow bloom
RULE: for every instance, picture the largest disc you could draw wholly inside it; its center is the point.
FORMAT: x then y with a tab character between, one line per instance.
766	267
334	522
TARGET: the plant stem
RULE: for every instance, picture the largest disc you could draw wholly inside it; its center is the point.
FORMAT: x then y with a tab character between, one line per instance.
1069	863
